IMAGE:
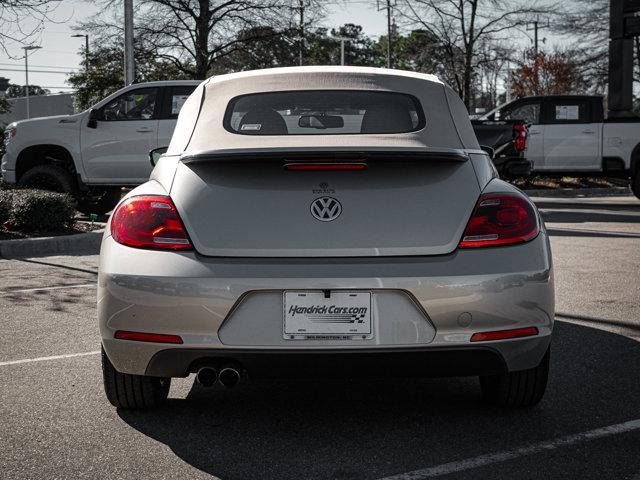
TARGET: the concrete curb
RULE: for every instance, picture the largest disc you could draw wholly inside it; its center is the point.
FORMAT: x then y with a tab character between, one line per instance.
86	243
580	192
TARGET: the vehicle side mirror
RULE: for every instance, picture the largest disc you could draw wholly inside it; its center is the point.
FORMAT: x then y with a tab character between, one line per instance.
94	116
156	154
490	151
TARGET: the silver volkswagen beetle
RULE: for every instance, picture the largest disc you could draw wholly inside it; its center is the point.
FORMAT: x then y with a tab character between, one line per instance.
324	221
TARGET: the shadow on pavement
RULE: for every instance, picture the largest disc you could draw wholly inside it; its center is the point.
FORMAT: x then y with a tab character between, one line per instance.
58	265
370	429
603	321
609	206
603	215
579	232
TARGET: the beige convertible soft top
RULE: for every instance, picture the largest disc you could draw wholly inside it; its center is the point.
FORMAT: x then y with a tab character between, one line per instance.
200	128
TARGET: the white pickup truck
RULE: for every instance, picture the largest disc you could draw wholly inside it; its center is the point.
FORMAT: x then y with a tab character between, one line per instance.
92	154
569	135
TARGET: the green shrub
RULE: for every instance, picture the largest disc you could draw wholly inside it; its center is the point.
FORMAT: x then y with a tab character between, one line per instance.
6	199
40	210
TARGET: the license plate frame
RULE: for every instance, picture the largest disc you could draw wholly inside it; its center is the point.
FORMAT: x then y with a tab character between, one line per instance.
312	315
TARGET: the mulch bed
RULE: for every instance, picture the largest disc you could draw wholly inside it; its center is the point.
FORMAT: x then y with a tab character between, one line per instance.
78	227
540	182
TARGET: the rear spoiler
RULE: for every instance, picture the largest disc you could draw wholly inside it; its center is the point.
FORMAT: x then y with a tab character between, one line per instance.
328	156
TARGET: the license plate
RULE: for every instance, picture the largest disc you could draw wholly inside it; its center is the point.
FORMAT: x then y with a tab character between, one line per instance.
311	315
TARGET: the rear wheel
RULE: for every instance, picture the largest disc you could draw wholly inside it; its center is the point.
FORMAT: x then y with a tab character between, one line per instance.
517	389
133	391
49	177
635	183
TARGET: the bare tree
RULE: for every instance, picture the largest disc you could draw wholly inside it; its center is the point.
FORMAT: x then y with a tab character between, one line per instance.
493	57
195	34
16	14
463	26
588	22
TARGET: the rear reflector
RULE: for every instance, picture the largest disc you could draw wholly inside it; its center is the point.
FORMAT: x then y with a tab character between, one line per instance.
147	337
500	219
151	222
504	334
314	167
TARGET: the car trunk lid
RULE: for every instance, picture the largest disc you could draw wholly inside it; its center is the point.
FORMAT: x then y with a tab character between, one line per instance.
256	207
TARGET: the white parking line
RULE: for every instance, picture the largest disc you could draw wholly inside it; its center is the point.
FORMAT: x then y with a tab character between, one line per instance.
59	287
491	458
46	359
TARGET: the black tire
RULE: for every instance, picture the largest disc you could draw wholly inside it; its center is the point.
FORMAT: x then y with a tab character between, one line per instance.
635	183
49	177
517	389
99	200
133	391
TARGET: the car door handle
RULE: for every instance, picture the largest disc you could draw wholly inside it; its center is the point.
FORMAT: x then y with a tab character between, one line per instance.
534	132
588	131
144	129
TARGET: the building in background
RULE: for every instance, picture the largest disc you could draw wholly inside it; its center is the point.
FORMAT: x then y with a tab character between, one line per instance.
39	105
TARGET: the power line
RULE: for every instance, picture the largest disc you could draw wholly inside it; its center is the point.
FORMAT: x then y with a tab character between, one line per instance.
18	64
49	87
36	71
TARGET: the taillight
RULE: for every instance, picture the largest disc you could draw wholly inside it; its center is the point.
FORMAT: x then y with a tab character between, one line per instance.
500	219
520	132
149	221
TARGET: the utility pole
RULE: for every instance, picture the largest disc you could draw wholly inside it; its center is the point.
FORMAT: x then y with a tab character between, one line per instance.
388	7
301	7
26	74
389	59
129	67
535	28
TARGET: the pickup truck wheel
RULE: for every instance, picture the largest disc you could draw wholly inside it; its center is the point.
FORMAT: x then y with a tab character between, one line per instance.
49	177
635	184
133	391
99	200
524	388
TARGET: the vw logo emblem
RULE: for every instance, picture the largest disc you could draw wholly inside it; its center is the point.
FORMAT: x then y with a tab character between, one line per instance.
326	209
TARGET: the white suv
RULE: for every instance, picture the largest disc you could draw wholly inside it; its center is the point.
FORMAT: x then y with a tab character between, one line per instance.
92	154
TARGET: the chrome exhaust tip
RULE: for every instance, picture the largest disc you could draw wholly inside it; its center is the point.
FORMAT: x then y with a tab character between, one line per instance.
207	376
229	377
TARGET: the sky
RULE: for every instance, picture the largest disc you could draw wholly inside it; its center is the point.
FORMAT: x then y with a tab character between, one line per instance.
61	54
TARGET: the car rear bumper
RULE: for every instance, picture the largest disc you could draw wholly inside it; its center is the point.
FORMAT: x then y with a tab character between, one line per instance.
397	362
231	309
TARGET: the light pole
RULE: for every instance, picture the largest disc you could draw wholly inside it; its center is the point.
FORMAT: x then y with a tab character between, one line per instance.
26	73
86	48
129	62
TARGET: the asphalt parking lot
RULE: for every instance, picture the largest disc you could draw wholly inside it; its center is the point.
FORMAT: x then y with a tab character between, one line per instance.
56	423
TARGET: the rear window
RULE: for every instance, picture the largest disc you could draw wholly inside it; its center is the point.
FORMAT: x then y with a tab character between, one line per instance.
324	112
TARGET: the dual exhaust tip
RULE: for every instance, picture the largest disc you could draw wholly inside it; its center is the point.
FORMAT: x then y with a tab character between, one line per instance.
228	376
